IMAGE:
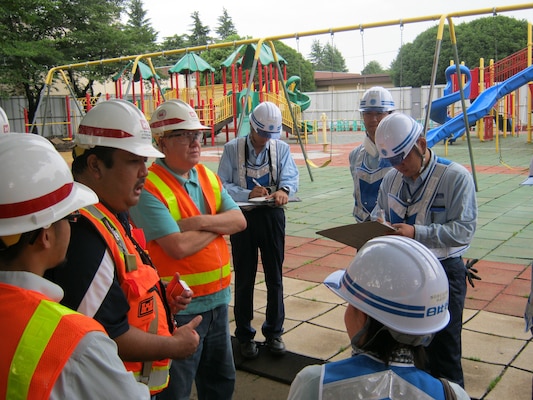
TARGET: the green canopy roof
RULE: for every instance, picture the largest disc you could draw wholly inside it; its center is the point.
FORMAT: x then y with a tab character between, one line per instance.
190	63
142	68
244	55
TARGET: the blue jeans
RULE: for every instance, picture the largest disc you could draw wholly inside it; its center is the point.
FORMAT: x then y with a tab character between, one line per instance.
211	367
444	351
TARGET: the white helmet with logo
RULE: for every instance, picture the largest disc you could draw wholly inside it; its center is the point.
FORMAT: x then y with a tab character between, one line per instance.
37	188
396	135
398	282
4	122
377	99
265	119
174	115
119	124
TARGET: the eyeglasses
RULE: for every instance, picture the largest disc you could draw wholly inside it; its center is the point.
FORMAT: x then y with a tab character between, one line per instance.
73	216
185	137
374	114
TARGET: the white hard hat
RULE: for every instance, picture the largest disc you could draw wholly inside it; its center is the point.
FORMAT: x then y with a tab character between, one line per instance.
119	124
396	135
37	188
398	282
377	99
266	120
174	115
4	122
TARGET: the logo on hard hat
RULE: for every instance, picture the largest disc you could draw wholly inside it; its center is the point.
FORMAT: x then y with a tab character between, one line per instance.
145	125
162	114
384	152
373	102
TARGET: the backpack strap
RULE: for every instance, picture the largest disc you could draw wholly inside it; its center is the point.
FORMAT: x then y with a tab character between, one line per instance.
449	394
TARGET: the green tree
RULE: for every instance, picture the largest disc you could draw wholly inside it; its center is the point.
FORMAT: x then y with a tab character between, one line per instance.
170	43
297	65
373	67
326	58
225	26
139	28
489	38
39	35
199	33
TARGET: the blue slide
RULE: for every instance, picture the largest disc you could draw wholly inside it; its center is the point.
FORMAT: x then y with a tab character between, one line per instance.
439	107
455	127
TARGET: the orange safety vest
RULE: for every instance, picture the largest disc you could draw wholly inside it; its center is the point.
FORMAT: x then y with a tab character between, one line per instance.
38	338
141	286
207	271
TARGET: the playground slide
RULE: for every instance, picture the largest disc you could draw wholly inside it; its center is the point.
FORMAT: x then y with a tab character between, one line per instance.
303	100
455	127
439	107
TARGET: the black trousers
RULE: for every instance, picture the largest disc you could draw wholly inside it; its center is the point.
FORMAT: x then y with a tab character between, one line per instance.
444	351
265	232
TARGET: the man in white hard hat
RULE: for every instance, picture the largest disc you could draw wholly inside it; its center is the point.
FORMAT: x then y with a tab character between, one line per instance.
4	122
528	313
397	295
109	275
366	167
185	212
48	351
432	200
257	166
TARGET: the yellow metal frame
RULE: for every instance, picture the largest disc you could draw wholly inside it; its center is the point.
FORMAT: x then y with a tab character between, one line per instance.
442	18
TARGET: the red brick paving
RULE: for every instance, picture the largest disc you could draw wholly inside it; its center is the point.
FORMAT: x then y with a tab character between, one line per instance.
503	287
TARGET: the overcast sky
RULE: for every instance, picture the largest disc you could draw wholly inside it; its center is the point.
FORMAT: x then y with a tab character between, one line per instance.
259	19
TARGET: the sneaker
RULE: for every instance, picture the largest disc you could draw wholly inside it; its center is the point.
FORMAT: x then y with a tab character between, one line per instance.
249	349
276	345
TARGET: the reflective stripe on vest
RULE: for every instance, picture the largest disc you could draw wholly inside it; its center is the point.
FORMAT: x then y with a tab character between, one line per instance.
362	377
418	212
366	184
140	286
42	337
207	271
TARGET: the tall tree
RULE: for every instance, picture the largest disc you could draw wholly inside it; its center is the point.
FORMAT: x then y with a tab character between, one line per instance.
489	38
143	35
326	58
38	36
225	26
199	33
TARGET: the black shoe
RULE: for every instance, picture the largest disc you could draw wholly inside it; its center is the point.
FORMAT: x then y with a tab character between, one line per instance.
249	349
276	345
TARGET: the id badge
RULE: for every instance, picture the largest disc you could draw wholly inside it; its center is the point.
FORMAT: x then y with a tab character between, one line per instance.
131	262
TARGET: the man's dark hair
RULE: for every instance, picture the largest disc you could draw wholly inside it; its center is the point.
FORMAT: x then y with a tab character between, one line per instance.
11	253
384	345
79	163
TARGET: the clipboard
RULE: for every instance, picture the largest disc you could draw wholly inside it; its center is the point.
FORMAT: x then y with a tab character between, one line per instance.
356	235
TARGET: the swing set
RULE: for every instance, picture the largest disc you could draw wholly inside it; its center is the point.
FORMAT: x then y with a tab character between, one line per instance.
135	59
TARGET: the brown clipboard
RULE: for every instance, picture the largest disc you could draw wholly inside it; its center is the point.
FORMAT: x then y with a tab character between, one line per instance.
356	235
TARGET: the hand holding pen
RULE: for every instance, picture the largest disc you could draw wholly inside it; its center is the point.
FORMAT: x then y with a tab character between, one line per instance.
258	190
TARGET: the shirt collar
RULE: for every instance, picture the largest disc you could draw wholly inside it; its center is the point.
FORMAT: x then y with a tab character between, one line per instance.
30	281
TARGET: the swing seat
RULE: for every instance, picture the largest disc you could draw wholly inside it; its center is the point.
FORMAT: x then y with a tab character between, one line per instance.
312	164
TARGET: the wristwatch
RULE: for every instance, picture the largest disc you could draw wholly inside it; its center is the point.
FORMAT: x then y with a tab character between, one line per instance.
285	189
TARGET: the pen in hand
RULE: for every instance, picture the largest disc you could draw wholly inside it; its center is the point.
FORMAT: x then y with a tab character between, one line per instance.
255	181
